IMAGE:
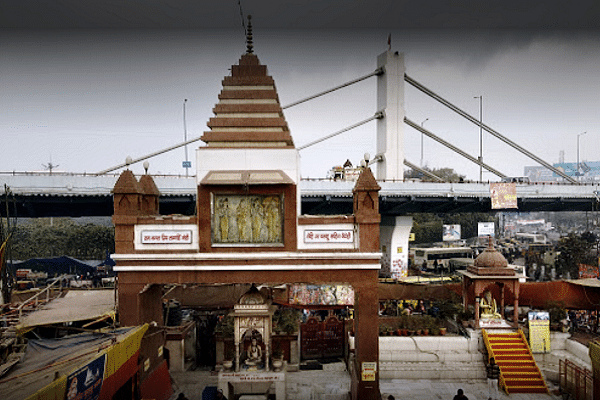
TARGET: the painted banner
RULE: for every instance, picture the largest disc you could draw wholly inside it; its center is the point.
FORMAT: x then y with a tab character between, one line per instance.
327	295
503	195
539	331
399	267
86	382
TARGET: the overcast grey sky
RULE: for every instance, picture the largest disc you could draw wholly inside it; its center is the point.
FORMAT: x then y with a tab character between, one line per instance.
88	92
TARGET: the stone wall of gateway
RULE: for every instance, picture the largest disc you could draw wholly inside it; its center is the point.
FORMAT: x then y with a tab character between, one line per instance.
431	357
458	357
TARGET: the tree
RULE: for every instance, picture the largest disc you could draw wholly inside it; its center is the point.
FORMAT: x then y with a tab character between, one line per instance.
574	250
45	237
447	174
428	228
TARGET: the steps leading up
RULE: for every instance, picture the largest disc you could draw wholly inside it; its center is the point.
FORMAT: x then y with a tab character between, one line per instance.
519	372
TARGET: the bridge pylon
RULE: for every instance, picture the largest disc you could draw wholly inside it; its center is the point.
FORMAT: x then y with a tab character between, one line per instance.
390	129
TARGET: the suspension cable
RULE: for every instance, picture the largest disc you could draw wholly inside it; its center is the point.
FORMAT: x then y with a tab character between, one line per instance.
378	71
423	171
452	147
462	113
125	164
378	115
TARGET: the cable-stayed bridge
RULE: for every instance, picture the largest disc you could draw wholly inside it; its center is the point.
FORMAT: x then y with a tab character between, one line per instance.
61	194
44	195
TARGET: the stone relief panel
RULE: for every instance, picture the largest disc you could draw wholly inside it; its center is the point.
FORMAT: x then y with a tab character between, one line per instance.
247	219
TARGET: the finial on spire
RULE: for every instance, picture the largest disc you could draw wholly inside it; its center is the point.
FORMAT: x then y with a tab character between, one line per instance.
249	45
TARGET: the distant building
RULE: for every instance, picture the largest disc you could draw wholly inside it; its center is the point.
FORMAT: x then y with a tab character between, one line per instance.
589	171
540	174
347	172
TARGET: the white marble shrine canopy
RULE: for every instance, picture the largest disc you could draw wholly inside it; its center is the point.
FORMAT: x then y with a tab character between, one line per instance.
252	317
272	177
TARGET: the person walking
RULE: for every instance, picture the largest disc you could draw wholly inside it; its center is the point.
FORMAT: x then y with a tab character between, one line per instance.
493	374
460	395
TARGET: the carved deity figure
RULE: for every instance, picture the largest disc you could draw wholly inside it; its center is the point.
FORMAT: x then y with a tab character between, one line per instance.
253	353
273	219
223	219
258	216
488	307
243	220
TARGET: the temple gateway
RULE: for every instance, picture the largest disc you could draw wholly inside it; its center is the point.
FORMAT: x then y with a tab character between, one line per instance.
248	229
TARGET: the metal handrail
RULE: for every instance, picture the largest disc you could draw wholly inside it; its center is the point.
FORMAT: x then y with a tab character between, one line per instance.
577	386
530	352
490	351
35	297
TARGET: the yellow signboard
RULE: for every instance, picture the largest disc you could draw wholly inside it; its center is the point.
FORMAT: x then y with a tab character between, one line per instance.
539	331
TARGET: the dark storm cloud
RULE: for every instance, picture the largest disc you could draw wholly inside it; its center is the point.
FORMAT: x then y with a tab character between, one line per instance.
307	14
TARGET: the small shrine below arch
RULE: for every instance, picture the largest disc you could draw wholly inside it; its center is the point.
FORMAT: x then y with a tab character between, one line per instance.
252	331
487	284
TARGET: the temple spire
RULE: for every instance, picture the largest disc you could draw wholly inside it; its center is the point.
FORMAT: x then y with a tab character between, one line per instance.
249	45
248	113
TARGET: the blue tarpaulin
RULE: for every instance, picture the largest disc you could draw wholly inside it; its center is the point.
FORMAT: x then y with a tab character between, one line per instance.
56	266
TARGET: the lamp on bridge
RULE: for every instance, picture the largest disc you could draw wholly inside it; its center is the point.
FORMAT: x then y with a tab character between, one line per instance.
577	173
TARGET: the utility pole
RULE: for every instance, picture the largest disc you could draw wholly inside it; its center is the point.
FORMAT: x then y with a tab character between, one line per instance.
577	173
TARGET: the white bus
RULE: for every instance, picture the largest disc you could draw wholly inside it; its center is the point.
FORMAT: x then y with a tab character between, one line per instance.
531	237
441	254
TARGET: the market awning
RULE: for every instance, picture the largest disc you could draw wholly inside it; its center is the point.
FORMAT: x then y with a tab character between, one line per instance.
76	305
574	294
50	366
414	291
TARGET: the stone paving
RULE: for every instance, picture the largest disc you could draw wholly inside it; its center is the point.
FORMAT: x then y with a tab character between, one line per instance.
334	384
442	389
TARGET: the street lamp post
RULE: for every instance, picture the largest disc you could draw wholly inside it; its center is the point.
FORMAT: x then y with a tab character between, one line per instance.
186	163
577	166
426	119
480	139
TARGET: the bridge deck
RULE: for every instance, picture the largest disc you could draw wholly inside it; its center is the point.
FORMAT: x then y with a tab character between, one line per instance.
39	195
